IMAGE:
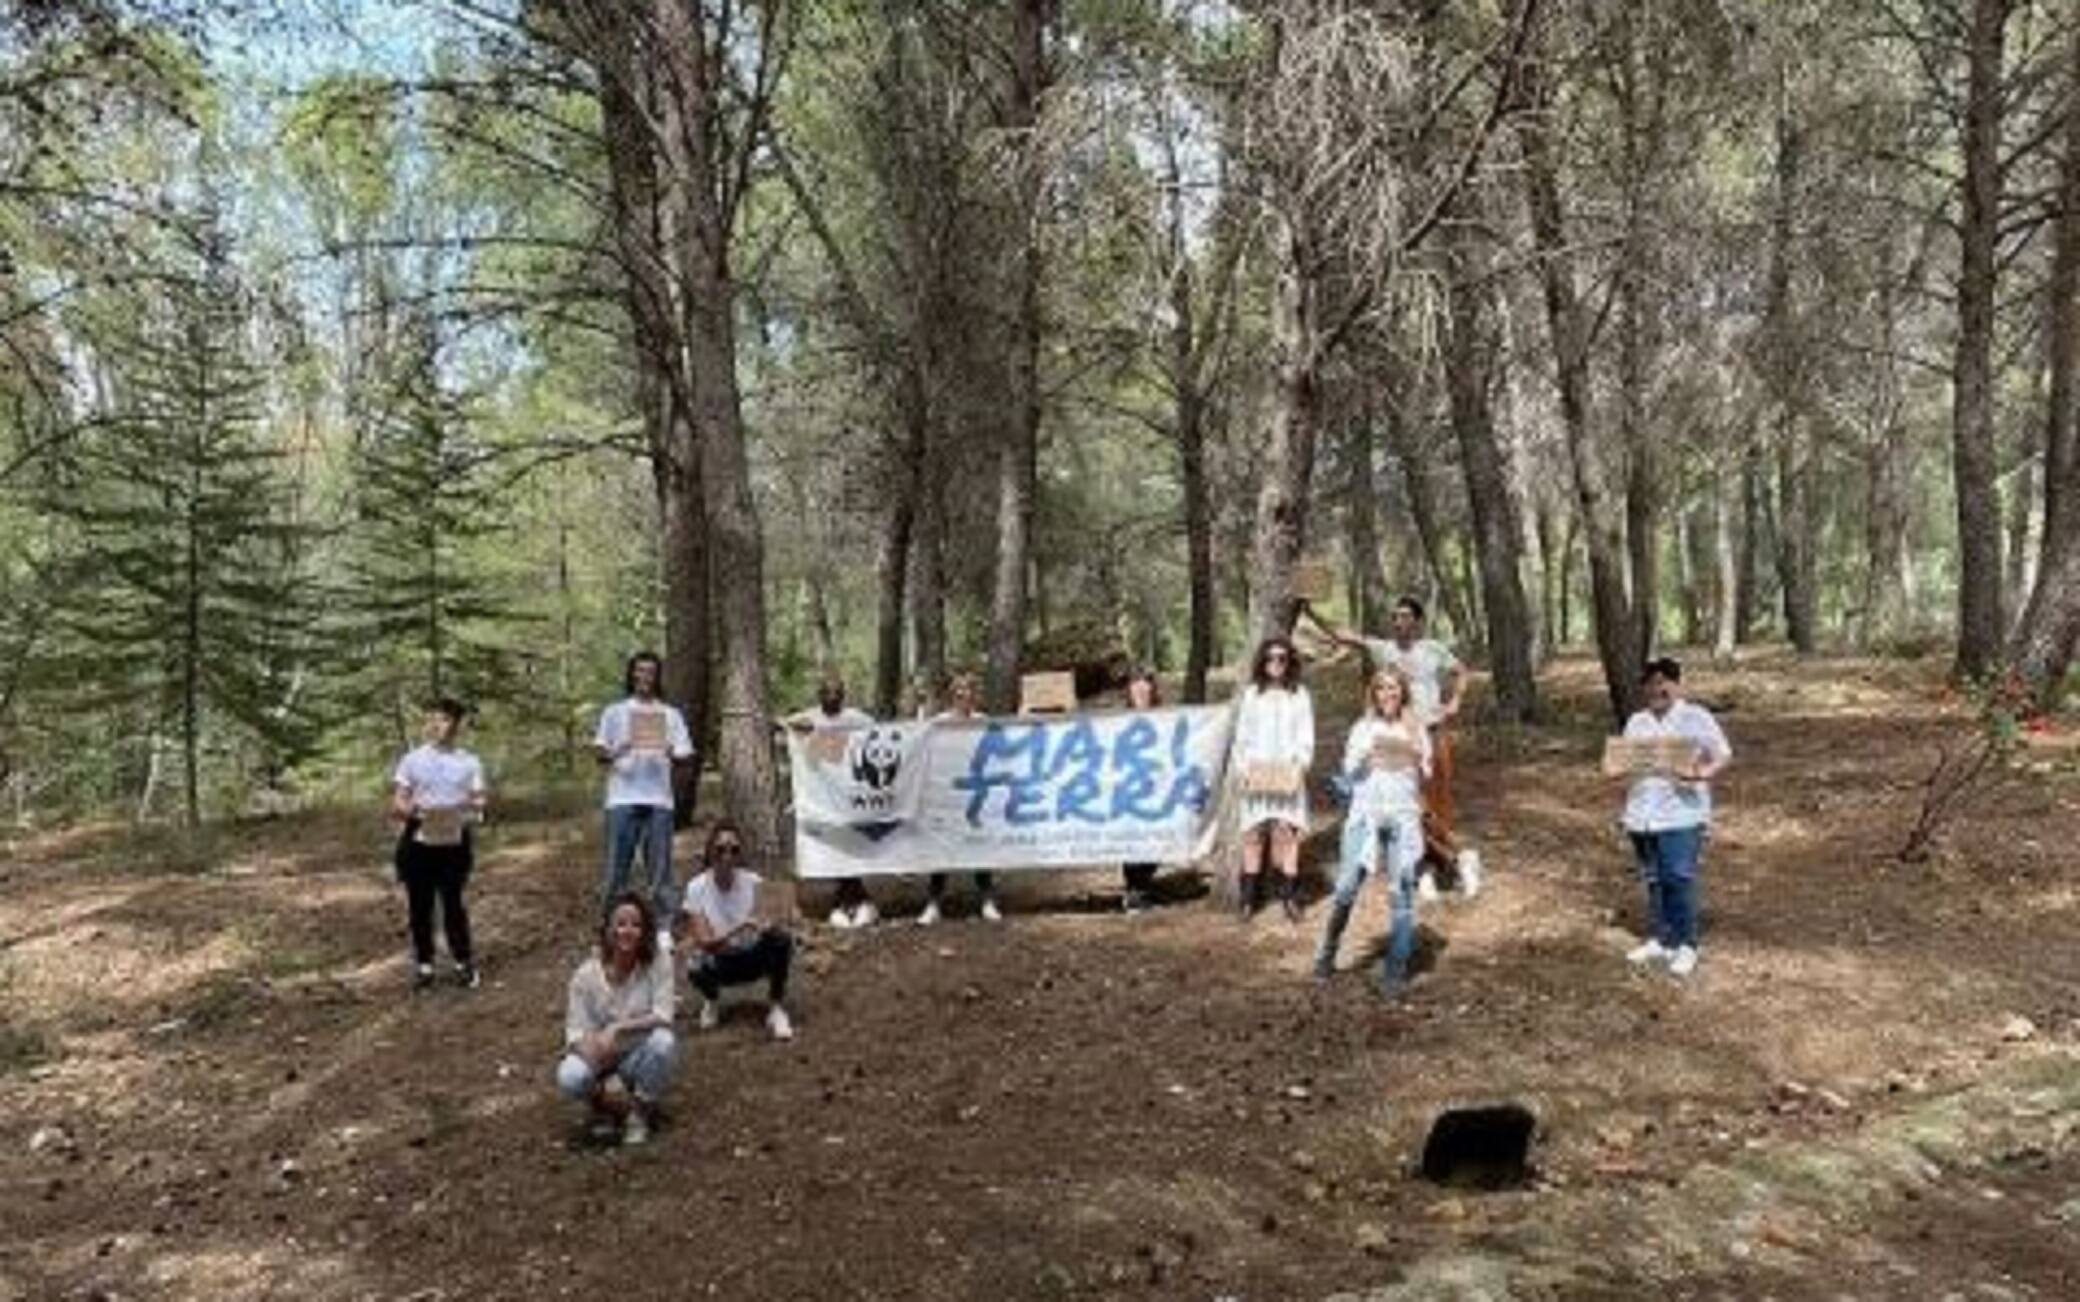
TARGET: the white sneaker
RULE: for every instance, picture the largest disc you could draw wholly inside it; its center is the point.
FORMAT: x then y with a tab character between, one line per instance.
636	1131
866	915
990	911
930	916
1684	963
1426	887
840	919
777	1023
710	1015
1649	952
1469	865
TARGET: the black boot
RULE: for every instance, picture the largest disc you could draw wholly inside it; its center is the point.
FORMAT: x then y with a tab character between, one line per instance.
1332	939
1246	895
1289	897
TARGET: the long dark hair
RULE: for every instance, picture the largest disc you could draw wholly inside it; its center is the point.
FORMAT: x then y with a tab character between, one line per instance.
646	949
1257	673
628	671
1145	674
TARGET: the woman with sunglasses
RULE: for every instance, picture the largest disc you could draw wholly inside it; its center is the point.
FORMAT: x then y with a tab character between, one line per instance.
728	943
1273	749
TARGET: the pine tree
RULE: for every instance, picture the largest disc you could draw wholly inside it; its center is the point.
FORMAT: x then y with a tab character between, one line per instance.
193	605
421	499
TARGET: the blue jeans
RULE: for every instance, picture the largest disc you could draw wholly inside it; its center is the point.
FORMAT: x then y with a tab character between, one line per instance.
646	1068
650	827
1668	869
1400	850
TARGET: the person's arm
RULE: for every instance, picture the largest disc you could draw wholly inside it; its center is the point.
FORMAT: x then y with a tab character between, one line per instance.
608	743
1357	752
699	932
1335	632
1714	753
479	793
1424	750
400	801
582	1032
681	740
1454	689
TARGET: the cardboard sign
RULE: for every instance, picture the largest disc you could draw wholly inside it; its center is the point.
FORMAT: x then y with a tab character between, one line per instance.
1314	580
1273	778
647	731
442	826
1648	756
1050	693
1394	754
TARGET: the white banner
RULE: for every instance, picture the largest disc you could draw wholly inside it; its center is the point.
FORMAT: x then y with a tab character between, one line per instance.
1046	792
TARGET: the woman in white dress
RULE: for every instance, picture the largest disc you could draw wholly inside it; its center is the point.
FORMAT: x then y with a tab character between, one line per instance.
1274	747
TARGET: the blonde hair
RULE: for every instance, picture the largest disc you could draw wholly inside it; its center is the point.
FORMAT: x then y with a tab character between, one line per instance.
1372	691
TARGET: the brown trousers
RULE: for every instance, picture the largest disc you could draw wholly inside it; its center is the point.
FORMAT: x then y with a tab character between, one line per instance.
1440	842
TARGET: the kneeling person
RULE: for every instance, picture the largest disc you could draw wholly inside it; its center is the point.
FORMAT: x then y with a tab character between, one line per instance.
618	1029
728	944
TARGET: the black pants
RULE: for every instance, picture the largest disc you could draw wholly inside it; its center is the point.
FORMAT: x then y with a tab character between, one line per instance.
985	885
436	874
852	892
764	959
1140	876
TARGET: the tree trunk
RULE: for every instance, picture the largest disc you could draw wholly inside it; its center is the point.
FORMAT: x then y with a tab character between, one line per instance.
1288	458
1726	555
1550	566
1979	625
928	580
1795	540
2022	505
1617	639
1198	541
1747	595
749	774
2042	649
1018	456
1369	597
1422	509
1469	365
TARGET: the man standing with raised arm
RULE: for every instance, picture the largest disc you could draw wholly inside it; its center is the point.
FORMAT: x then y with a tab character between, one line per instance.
1437	686
640	739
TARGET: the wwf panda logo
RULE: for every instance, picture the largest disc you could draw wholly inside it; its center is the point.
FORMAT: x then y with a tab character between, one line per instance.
878	759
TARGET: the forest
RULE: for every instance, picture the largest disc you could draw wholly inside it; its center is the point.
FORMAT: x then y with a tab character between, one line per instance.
357	352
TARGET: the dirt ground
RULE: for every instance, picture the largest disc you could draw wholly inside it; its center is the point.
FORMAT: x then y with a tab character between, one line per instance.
214	1084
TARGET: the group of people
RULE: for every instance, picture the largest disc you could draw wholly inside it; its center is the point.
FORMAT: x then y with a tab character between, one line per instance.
1394	777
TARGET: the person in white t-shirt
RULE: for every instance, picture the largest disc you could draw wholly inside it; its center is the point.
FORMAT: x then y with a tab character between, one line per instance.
619	1053
436	796
1437	688
1667	815
728	942
852	907
962	693
639	741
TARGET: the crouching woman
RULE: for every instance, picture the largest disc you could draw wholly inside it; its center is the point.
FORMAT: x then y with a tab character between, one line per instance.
619	1052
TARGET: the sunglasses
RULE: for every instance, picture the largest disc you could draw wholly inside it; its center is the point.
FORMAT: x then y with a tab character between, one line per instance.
729	848
1276	658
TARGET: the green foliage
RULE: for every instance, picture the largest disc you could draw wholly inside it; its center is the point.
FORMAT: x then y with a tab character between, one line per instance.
188	575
